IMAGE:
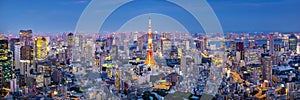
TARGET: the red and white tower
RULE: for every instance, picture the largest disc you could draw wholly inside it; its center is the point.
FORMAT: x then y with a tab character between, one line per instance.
150	57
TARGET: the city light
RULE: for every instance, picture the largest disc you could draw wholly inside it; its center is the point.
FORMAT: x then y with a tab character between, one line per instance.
176	50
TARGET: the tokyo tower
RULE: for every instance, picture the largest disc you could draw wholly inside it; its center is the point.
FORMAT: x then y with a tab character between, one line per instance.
150	58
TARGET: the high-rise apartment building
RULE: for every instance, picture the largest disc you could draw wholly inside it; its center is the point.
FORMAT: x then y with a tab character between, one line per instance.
267	68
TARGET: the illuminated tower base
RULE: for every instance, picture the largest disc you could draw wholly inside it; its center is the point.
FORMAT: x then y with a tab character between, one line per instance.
150	59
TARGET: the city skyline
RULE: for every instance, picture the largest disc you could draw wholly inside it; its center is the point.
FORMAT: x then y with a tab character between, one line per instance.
149	50
234	16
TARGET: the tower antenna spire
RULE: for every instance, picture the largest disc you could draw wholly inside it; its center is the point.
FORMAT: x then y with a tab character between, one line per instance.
149	26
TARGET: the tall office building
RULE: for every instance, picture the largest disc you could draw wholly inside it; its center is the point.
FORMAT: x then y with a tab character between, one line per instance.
12	43
293	42
5	60
70	47
126	48
240	48
78	47
40	48
285	42
16	57
89	50
270	44
109	42
26	53
183	66
166	45
114	48
26	59
117	78
140	43
26	37
70	39
114	52
97	52
267	68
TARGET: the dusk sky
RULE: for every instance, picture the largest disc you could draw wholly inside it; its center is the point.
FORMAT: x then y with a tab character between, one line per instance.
55	16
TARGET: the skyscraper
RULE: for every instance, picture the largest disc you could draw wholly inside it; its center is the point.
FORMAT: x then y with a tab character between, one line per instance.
78	47
114	48
40	48
117	82
5	60
240	48
140	43
109	42
26	37
26	59
16	57
270	44
166	45
70	47
267	68
89	50
12	43
97	53
26	53
293	42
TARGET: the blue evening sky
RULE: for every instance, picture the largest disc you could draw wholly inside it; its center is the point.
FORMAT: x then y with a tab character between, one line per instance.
55	16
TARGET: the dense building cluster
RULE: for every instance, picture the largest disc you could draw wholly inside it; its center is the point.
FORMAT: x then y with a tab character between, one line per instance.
145	65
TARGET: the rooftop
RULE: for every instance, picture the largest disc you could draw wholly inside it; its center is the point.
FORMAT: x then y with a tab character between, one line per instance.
283	68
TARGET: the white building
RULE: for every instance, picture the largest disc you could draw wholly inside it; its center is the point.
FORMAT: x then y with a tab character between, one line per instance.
17	56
